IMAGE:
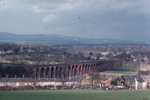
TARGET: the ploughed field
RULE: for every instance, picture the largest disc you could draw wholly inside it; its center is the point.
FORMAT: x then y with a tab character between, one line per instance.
75	95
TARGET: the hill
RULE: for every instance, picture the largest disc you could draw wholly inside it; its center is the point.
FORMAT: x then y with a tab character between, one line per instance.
56	39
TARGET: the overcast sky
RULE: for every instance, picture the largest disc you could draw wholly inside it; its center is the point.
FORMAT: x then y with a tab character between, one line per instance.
119	19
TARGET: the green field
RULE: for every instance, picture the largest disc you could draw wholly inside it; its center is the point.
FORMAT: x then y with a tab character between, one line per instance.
116	73
75	95
126	68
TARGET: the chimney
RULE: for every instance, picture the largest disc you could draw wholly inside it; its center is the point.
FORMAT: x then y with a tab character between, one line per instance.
39	77
15	76
69	77
130	74
7	78
22	77
47	77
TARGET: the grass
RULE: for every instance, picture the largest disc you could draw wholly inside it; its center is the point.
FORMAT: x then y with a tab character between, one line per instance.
119	71
75	95
126	68
116	73
77	76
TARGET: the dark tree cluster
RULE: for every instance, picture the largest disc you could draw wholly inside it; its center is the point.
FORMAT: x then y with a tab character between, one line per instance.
7	46
144	72
124	55
12	71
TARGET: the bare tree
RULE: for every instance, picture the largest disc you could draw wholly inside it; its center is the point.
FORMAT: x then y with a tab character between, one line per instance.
65	61
37	61
65	65
95	76
14	60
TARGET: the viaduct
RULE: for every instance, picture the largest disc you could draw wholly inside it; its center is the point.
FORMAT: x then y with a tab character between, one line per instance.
56	71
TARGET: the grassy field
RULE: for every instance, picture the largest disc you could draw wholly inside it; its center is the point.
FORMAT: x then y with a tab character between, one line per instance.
75	95
116	73
126	68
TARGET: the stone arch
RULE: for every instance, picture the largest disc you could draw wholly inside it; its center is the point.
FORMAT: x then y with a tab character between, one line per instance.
100	65
52	72
69	70
42	72
60	72
75	70
37	72
72	72
80	68
57	72
86	71
47	72
83	69
92	68
89	68
97	66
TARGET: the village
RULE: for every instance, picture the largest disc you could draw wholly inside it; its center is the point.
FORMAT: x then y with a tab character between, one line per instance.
93	67
124	82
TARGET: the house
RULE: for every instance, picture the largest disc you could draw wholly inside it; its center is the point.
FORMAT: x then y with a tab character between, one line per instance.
21	82
120	81
86	81
127	80
146	78
94	57
142	82
102	58
103	82
16	82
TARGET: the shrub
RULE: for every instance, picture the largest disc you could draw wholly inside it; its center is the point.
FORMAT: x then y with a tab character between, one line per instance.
114	82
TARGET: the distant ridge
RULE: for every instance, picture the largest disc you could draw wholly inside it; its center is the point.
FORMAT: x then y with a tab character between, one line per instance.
56	39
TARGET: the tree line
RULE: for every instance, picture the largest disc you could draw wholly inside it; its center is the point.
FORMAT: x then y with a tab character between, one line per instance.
12	71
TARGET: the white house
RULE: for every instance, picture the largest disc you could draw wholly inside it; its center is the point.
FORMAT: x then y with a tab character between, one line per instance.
142	82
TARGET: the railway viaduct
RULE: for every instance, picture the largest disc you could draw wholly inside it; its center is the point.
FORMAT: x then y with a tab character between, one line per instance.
55	71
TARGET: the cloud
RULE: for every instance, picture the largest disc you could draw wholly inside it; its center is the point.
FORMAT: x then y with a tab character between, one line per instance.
123	19
49	18
56	7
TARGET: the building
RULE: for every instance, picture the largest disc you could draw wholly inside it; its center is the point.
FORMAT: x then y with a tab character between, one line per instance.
103	82
142	82
147	79
22	82
16	82
127	80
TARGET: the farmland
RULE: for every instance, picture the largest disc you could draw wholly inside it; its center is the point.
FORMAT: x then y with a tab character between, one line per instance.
116	73
74	95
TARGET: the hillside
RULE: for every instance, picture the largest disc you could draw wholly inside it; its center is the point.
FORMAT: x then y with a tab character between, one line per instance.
56	39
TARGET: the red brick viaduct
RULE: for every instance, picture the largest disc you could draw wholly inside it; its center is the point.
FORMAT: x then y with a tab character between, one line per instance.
55	71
